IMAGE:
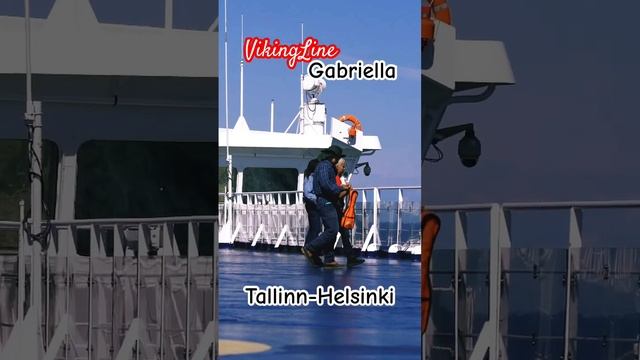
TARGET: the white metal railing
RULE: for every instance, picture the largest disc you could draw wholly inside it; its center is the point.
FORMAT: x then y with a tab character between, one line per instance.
279	218
493	337
145	288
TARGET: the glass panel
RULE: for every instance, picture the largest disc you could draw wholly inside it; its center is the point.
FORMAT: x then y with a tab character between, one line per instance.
58	294
535	301
443	260
476	259
535	348
473	303
605	349
151	304
201	298
79	305
124	297
175	305
388	220
8	295
410	217
609	301
364	219
102	307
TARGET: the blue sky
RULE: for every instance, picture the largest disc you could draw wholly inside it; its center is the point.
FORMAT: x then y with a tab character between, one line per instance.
567	131
368	31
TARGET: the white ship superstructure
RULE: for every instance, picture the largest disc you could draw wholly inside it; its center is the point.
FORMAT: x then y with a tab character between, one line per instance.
117	287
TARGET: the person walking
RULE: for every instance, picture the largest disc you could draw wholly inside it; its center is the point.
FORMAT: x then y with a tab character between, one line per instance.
345	234
309	198
327	192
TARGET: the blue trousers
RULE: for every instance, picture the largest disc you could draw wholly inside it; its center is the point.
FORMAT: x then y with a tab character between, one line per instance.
324	242
345	235
315	223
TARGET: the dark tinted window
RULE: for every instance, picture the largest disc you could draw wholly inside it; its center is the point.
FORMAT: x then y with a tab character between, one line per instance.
146	179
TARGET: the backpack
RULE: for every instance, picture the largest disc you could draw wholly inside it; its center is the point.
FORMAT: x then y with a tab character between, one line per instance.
307	188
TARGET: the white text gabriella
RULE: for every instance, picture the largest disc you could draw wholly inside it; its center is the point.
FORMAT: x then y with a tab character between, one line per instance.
378	70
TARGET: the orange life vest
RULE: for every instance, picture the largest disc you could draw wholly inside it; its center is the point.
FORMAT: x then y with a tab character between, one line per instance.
348	220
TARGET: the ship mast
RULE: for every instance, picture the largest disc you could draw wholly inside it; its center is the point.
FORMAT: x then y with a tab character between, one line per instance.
241	68
33	120
229	207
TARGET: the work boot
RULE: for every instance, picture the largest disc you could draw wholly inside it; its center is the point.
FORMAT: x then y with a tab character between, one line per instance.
313	258
354	261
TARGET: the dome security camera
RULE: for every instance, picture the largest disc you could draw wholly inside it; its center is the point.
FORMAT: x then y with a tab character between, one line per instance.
469	149
367	170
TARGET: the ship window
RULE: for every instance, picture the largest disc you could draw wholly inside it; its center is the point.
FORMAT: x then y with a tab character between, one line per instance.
14	186
127	12
39	8
222	179
126	179
269	179
195	14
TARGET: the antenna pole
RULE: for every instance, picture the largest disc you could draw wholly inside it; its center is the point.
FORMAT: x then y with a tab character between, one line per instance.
241	67
226	82
229	200
33	119
27	26
273	114
301	67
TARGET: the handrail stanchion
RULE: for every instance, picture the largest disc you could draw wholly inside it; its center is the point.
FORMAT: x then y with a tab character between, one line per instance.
364	217
494	282
573	264
399	220
376	218
460	267
21	265
505	266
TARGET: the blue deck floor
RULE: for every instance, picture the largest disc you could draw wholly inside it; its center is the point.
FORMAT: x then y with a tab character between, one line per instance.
320	332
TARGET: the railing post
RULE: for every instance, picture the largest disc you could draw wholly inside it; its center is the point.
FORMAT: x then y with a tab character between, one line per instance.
460	267
192	251
376	209
164	251
214	350
494	282
399	220
573	266
94	251
505	265
364	217
21	265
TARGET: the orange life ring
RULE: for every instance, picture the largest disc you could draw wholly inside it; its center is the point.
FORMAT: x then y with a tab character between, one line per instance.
357	125
435	9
